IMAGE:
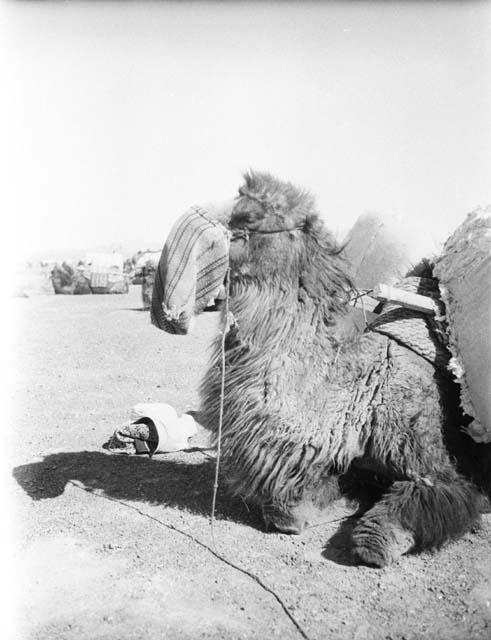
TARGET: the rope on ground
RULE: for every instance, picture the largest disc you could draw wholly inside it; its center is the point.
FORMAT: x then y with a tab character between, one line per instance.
323	524
222	394
213	552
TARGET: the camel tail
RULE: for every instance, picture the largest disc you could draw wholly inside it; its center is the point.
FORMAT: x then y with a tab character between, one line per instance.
435	510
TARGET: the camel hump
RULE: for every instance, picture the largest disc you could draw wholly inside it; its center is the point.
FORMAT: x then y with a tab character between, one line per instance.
383	249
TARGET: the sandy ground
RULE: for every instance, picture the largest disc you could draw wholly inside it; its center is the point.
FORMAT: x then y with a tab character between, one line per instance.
103	542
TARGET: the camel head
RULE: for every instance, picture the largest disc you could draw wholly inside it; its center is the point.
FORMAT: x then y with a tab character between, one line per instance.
277	237
272	238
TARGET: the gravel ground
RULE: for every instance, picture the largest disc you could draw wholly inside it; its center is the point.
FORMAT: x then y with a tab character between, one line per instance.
118	548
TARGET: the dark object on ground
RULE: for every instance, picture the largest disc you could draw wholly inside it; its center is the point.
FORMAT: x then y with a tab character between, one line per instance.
147	282
69	281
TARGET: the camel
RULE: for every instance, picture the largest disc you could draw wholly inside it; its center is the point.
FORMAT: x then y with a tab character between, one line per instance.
311	403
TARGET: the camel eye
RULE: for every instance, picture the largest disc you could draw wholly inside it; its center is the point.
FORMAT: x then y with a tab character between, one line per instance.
241	219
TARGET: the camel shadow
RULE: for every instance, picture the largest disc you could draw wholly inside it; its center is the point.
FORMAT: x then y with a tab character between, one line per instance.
337	549
156	481
184	484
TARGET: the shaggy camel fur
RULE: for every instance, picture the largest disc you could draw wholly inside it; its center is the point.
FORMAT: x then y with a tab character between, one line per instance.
307	400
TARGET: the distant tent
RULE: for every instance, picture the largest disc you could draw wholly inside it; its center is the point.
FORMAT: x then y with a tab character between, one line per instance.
106	273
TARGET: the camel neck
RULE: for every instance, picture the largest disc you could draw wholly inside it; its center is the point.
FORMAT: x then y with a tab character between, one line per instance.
273	316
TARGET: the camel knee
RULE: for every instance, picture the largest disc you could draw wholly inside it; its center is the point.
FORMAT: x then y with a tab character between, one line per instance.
295	515
284	518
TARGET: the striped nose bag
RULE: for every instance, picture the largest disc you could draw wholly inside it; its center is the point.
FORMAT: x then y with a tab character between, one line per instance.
191	270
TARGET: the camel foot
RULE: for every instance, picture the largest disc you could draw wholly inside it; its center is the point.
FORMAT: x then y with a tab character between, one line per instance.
377	543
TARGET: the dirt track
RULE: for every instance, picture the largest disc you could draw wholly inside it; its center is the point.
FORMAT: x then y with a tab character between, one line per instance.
103	541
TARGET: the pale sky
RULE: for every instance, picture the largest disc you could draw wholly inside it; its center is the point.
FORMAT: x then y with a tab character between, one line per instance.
120	115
